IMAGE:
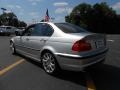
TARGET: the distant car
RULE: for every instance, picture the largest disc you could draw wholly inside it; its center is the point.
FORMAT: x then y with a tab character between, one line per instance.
4	31
60	46
22	28
7	30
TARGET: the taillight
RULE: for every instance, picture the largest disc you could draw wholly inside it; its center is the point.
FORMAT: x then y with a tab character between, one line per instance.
81	45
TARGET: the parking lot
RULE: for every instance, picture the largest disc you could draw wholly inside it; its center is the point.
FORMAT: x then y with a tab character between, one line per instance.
20	73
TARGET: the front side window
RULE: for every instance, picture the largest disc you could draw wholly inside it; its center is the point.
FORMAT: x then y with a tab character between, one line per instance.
37	30
42	30
47	30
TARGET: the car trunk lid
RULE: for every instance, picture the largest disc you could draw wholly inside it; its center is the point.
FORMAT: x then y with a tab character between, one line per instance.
97	41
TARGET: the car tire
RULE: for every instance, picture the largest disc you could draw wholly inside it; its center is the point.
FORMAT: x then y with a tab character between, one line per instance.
12	47
49	63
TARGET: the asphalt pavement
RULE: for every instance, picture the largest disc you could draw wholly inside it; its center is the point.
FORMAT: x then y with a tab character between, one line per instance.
20	73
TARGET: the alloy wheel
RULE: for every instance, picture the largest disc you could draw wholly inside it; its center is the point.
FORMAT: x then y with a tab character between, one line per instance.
49	63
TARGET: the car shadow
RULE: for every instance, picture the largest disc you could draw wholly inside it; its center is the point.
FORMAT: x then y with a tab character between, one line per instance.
73	77
106	77
29	60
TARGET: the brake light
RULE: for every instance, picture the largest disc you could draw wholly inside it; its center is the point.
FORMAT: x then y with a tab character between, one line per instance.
81	45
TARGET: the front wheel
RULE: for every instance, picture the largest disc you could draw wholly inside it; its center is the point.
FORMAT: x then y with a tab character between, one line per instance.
49	63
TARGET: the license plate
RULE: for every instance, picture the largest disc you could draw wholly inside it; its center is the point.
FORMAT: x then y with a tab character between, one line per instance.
99	43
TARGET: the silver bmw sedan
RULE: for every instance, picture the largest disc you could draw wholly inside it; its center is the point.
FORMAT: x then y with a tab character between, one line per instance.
60	46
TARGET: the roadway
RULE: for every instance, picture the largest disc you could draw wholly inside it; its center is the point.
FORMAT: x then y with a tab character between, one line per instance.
20	73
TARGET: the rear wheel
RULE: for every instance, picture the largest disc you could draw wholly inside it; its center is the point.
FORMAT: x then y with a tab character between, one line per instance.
49	63
12	47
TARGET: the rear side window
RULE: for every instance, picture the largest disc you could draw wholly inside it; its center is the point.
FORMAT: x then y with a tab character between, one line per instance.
70	28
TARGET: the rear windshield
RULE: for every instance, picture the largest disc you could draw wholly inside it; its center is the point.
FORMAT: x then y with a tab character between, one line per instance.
70	28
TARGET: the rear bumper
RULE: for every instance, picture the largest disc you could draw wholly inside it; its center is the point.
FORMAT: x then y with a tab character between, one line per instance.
78	63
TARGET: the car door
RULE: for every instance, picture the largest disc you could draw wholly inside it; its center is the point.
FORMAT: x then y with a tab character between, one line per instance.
38	38
23	44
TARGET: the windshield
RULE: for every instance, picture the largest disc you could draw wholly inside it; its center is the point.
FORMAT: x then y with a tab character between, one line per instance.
70	28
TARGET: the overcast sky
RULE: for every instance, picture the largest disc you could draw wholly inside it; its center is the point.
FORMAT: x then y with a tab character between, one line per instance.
27	10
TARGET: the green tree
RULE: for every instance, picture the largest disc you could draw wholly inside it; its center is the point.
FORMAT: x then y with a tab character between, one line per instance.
22	24
80	15
67	18
96	18
10	19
